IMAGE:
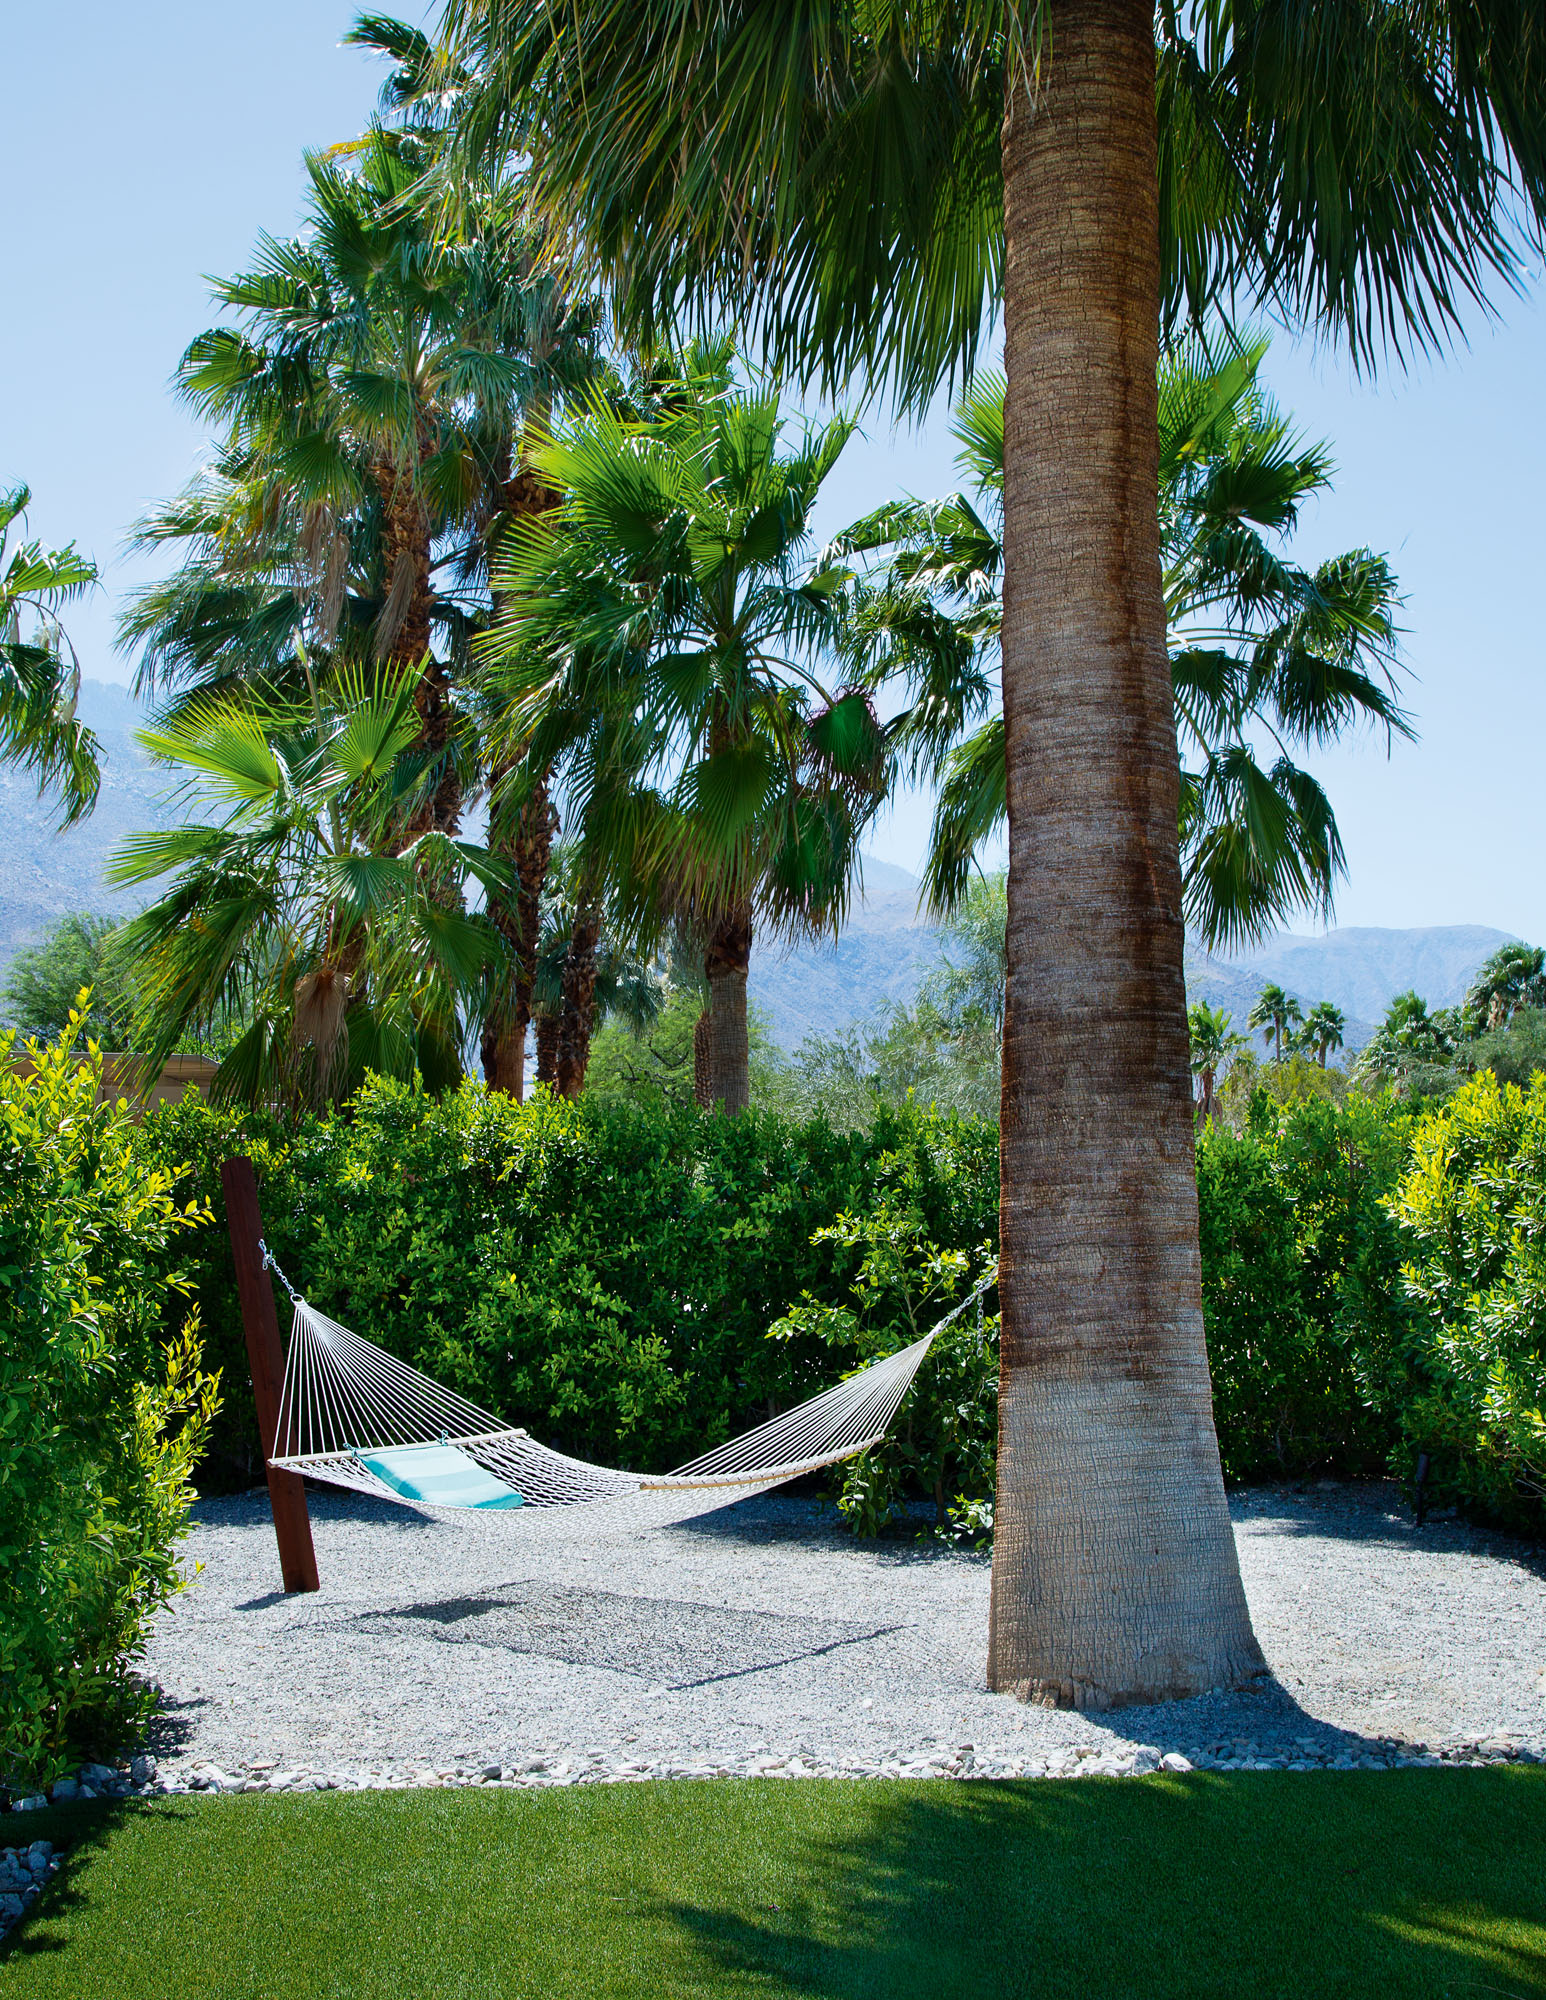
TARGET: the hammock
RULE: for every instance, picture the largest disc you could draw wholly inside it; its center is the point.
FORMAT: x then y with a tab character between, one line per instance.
354	1416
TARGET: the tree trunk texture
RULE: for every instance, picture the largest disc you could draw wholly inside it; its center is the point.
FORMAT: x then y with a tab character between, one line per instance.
703	1061
1114	1570
527	852
726	961
547	1049
405	635
528	846
577	1014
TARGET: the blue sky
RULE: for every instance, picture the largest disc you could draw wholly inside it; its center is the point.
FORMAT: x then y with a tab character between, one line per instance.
149	146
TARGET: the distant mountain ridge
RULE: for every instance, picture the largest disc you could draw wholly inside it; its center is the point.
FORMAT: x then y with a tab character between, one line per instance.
49	872
1360	969
885	952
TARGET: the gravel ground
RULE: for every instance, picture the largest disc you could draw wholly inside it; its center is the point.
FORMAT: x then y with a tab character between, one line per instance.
615	1642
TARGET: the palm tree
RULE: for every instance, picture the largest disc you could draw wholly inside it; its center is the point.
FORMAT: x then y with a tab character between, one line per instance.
1324	1027
40	676
1412	1047
371	372
670	603
616	985
861	187
373	398
1258	645
1514	977
1277	1014
293	917
1213	1042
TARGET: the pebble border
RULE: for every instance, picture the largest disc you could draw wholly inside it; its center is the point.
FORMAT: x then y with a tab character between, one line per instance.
144	1779
24	1871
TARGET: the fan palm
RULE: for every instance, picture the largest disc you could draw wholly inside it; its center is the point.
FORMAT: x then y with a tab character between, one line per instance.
1257	644
375	365
40	676
1514	977
1213	1041
617	985
863	185
1409	1042
373	396
1277	1014
293	916
1324	1029
669	601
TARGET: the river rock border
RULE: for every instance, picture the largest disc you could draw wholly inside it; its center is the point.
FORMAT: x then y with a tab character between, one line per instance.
143	1778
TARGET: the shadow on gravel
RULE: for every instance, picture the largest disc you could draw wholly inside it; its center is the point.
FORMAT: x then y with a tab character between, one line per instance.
1369	1513
173	1726
677	1644
324	1503
812	1523
1324	1885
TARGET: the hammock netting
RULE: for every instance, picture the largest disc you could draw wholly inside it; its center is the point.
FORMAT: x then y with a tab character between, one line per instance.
352	1415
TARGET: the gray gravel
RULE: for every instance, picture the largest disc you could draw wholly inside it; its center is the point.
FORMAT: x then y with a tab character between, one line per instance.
614	1642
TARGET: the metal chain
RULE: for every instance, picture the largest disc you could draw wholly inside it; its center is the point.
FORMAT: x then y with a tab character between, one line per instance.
271	1263
989	1277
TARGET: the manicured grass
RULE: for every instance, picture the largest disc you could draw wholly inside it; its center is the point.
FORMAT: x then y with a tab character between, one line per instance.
1304	1886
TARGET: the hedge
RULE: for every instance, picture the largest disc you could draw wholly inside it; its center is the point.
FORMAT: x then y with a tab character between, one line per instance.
608	1275
104	1409
1473	1204
603	1275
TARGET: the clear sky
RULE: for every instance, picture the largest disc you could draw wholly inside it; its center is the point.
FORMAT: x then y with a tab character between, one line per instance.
149	146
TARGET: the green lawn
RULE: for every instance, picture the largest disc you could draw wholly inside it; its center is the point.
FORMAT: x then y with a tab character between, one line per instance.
1305	1886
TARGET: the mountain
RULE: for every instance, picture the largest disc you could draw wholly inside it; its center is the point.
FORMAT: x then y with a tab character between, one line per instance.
1363	969
883	954
1360	969
53	871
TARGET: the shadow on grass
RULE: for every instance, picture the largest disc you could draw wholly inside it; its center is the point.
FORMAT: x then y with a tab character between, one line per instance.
1349	1885
1261	1886
76	1833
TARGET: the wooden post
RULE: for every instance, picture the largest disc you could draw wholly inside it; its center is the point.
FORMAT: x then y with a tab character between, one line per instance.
265	1357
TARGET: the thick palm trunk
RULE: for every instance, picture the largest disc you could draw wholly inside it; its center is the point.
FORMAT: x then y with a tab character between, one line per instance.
547	1049
703	1061
577	1013
525	848
404	636
526	852
1114	1570
726	962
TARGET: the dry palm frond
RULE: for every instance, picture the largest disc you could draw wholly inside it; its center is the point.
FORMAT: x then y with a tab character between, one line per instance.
395	610
335	579
321	1002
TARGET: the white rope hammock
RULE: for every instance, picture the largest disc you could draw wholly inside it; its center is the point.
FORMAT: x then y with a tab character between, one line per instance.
354	1416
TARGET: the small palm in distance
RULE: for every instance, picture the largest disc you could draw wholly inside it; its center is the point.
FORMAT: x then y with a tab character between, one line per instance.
1277	1014
1324	1028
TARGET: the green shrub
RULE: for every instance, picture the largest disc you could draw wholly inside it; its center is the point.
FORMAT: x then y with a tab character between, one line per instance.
1301	1296
604	1274
942	1444
101	1415
1473	1201
607	1274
